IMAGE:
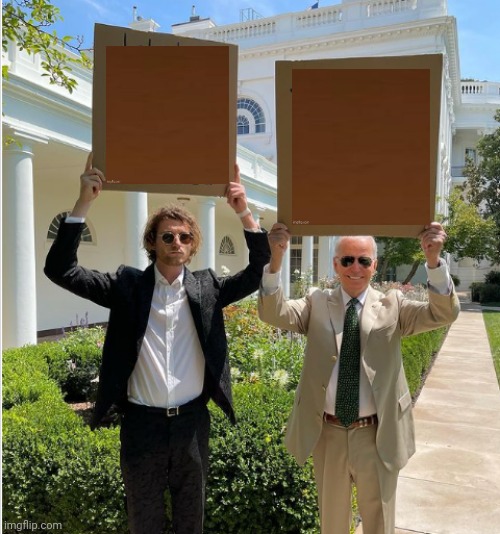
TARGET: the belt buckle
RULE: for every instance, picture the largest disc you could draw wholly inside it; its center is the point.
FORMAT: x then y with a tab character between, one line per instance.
172	412
364	421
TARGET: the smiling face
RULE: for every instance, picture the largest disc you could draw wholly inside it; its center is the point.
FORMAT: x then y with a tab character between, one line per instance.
355	278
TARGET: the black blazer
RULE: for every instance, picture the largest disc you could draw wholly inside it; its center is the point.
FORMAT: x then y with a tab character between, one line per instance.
128	293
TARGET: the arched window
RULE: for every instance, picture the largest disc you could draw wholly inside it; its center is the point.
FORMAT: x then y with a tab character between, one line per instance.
226	246
56	221
243	125
251	111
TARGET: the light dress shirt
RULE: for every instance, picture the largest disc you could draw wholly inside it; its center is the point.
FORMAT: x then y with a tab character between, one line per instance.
439	281
170	368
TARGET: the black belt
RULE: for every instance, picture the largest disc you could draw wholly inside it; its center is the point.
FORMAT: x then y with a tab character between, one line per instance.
190	406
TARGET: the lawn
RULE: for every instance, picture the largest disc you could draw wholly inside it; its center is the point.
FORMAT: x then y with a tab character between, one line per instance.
492	322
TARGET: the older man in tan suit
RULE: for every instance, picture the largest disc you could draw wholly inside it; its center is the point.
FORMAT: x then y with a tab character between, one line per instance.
352	408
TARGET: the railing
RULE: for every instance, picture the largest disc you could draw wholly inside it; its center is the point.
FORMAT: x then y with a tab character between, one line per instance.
374	9
472	88
336	18
480	88
242	31
317	17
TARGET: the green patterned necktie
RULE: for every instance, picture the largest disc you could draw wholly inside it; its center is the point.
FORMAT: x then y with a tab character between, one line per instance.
347	401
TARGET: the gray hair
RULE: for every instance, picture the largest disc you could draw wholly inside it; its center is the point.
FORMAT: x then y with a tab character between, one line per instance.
339	240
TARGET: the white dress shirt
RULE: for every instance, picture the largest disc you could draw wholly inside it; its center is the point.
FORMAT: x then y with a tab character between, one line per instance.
439	281
170	368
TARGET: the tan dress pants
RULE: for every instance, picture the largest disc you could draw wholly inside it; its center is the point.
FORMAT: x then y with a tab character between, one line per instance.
344	456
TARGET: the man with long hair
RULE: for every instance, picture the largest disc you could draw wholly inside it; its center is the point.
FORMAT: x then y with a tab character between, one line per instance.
165	352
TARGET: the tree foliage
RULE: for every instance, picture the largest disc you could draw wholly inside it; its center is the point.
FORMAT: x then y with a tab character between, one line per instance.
482	186
400	251
470	235
28	24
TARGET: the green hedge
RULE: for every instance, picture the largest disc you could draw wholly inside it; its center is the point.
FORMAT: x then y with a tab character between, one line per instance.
74	362
25	376
418	352
254	485
483	293
56	470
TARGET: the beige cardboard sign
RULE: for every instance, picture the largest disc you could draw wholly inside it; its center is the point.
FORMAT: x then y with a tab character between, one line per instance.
357	142
164	111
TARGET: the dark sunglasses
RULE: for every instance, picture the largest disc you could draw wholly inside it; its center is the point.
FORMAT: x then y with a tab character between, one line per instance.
364	261
184	237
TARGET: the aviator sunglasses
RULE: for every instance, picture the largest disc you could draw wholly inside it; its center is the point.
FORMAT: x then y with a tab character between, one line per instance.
184	237
347	261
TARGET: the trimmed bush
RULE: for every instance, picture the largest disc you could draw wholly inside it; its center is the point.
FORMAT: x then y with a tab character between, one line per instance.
25	377
254	485
493	277
483	293
56	470
418	352
78	364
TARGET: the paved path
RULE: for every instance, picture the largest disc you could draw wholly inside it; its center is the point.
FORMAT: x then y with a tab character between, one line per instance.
452	483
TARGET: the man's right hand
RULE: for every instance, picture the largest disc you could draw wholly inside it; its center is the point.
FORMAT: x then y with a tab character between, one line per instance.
278	237
90	188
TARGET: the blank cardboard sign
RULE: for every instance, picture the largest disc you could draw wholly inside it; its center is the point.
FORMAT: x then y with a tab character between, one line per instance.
357	144
164	112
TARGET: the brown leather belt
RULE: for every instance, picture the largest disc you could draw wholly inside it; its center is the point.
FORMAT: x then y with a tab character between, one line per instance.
359	423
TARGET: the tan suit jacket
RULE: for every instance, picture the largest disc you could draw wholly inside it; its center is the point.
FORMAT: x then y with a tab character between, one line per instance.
384	320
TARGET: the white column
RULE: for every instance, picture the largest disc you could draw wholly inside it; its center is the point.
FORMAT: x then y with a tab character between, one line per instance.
324	257
18	247
207	225
136	216
306	264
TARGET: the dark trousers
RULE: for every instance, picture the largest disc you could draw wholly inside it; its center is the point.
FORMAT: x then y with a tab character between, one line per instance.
160	453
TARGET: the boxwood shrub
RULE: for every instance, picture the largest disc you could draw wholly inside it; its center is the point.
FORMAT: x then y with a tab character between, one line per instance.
74	362
25	376
484	293
255	486
56	470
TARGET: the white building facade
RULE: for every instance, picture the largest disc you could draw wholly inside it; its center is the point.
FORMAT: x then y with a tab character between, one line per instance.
53	133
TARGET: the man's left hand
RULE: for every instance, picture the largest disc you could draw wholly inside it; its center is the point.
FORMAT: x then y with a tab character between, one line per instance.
432	239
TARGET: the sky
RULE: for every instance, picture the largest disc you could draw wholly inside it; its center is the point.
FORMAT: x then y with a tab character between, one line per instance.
477	22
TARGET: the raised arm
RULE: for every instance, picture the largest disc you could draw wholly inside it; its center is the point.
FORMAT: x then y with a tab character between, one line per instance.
237	199
90	188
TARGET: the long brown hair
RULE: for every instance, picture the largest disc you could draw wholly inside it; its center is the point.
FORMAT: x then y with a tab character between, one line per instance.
176	213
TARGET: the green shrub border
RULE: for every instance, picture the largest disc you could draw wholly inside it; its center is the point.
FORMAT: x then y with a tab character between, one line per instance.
56	470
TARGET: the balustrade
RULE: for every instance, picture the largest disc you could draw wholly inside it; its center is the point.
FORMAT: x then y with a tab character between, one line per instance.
316	17
484	89
374	9
246	31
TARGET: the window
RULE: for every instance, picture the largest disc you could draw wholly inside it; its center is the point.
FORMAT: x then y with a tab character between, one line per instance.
226	247
470	153
296	258
243	125
56	221
251	117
